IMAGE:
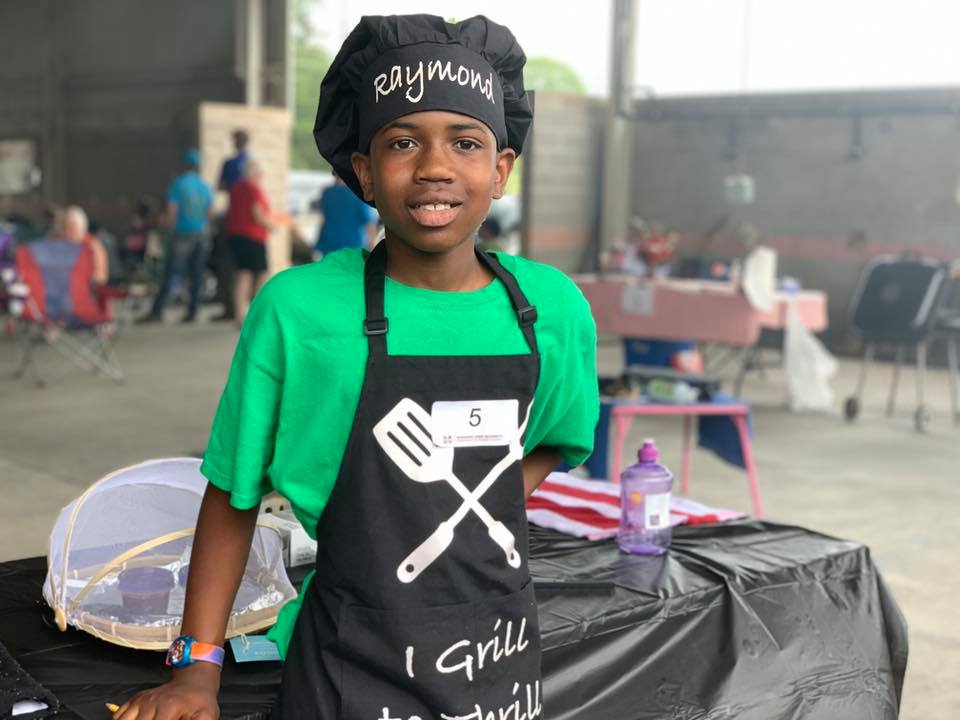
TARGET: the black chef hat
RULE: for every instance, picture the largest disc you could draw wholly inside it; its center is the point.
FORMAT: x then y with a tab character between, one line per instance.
401	64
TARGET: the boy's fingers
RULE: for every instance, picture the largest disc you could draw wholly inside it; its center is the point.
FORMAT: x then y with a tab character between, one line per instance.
201	715
126	711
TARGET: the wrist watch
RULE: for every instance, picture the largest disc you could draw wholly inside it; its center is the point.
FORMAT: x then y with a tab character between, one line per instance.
187	650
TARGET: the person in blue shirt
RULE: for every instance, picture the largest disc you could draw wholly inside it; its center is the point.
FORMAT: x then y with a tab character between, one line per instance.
233	167
348	222
189	202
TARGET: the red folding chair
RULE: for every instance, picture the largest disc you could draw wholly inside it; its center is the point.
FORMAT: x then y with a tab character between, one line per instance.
61	308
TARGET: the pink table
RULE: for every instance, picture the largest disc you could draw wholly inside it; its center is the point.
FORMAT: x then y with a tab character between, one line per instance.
623	412
702	311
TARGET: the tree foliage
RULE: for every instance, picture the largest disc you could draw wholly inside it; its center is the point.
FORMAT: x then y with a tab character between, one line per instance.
547	74
310	63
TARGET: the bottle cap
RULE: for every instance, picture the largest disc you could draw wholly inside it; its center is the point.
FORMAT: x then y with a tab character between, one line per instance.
648	453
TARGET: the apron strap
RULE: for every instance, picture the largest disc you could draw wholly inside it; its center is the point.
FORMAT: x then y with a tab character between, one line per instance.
526	313
376	324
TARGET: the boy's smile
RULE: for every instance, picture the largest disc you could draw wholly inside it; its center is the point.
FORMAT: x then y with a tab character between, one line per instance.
435	210
432	176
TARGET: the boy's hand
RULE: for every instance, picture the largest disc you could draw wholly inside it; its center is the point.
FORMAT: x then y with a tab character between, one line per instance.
190	695
221	546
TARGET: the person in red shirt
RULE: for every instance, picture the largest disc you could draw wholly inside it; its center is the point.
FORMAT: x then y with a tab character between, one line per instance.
248	226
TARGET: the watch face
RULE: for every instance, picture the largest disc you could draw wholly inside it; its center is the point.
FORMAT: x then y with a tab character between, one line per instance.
177	653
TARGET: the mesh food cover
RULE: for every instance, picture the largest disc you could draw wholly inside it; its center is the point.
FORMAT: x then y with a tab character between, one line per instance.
120	554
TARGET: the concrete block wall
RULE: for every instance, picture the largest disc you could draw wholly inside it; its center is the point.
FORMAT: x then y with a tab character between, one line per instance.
109	90
564	156
269	130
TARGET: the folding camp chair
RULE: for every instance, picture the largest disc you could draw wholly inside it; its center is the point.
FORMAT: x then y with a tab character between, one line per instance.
7	272
7	245
59	307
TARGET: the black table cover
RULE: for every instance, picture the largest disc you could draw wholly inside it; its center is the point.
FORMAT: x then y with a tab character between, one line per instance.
747	621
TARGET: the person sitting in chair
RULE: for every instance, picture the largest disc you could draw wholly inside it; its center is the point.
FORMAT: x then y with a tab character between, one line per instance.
75	229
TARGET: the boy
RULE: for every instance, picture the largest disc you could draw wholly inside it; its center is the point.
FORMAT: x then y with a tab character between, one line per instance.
405	402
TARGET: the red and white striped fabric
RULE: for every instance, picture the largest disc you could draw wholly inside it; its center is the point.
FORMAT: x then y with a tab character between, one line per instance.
591	508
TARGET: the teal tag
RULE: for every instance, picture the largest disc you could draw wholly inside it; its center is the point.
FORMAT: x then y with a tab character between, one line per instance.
254	648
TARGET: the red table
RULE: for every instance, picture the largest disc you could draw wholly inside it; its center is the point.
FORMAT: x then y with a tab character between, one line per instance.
697	310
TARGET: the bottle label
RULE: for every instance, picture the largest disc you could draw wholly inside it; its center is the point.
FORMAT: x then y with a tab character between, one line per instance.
656	511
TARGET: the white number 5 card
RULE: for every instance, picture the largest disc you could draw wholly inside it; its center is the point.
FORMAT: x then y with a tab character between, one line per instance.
472	423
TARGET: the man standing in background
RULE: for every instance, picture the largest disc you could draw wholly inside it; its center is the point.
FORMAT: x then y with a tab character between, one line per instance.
224	263
348	222
189	202
233	167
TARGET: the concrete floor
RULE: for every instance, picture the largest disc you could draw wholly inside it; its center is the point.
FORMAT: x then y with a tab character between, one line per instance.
877	482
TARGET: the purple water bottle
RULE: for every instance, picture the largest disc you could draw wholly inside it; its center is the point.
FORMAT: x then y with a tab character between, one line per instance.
645	504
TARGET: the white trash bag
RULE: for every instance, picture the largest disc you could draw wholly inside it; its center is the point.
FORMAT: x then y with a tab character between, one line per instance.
119	557
808	365
759	279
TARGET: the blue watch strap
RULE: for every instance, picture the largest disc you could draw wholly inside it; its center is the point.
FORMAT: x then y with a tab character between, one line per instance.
187	650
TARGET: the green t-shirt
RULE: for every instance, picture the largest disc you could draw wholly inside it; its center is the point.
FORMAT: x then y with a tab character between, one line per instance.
288	406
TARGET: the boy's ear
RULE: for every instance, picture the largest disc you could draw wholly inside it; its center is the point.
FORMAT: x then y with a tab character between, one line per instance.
361	167
505	160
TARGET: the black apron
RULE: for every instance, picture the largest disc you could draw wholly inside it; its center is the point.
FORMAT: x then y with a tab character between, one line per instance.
421	607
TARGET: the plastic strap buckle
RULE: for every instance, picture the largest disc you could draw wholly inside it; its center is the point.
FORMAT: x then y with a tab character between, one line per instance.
377	326
527	315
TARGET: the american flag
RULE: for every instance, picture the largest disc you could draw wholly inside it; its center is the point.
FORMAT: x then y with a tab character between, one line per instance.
591	508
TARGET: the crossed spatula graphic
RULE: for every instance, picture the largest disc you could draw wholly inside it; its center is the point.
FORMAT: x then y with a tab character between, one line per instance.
406	436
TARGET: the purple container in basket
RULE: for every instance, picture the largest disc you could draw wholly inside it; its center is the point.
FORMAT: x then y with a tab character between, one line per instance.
146	590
